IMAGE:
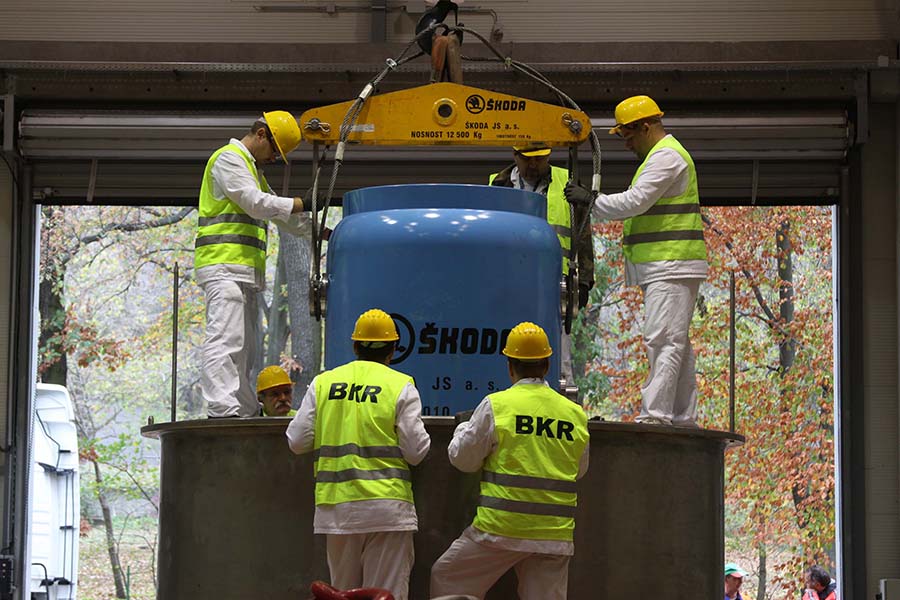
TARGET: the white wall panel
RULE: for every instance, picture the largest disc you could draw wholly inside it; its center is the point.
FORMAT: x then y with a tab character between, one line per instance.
880	358
522	21
169	21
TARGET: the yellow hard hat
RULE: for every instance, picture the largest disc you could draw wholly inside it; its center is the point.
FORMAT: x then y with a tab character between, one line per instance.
533	149
527	341
284	129
270	377
375	325
634	109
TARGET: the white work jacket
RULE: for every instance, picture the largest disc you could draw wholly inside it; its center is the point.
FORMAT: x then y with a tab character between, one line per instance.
233	180
366	516
665	175
476	439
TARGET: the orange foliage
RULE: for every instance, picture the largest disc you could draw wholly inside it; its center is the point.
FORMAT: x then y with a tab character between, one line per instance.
780	484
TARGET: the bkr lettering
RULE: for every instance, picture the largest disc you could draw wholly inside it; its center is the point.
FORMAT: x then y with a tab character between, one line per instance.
356	392
540	426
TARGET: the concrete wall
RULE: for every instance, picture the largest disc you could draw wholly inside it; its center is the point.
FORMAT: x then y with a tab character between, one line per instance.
522	21
879	344
6	291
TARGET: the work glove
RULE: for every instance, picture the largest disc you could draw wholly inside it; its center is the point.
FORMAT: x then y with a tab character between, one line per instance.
308	200
584	293
578	195
462	416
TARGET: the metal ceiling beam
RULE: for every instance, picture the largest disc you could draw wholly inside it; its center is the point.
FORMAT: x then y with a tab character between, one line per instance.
565	56
713	135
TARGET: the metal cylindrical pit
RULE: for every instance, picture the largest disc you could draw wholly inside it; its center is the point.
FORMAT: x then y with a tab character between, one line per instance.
236	512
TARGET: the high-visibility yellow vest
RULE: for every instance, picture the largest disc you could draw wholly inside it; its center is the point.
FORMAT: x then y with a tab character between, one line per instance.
528	483
263	413
225	233
357	453
673	228
558	215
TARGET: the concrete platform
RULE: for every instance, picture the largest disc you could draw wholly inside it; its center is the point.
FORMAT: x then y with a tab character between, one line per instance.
236	510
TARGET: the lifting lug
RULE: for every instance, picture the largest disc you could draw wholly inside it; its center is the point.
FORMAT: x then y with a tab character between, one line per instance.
318	287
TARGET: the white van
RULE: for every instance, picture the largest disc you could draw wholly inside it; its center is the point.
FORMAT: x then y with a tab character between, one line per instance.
55	509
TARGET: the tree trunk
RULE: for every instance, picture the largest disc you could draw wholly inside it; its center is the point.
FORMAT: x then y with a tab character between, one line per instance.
277	328
763	573
306	332
788	346
118	578
52	315
53	318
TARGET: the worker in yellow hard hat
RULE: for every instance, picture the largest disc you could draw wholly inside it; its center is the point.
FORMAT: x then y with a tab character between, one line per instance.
275	392
665	254
531	445
364	422
532	171
235	204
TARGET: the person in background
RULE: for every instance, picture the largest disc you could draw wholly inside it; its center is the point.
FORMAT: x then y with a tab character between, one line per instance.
819	585
235	204
364	422
275	392
665	254
734	577
532	444
531	171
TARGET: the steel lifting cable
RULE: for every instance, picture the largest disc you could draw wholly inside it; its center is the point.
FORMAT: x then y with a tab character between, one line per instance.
314	191
533	73
350	118
347	125
578	228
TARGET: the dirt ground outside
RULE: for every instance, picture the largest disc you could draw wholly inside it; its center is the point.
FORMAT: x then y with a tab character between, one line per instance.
137	553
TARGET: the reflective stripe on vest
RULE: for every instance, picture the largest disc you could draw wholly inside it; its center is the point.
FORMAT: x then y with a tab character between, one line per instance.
225	233
528	483
558	215
673	228
356	451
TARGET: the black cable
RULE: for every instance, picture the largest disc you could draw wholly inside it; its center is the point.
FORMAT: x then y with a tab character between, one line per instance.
12	170
76	530
47	433
64	530
46	582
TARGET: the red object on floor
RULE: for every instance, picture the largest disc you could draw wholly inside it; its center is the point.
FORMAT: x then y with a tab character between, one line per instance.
323	591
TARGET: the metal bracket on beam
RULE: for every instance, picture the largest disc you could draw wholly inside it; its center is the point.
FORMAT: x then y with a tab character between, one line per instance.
9	123
379	21
754	189
861	87
92	181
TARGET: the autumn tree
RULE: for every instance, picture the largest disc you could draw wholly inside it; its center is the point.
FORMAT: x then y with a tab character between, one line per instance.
780	484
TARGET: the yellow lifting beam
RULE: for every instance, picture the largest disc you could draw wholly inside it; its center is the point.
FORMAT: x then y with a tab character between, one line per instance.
448	114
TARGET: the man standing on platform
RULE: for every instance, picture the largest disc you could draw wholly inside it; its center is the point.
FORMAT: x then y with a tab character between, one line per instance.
236	201
665	254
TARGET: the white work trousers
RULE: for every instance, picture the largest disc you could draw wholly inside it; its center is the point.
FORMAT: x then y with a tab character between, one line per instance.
229	351
379	560
670	391
470	568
